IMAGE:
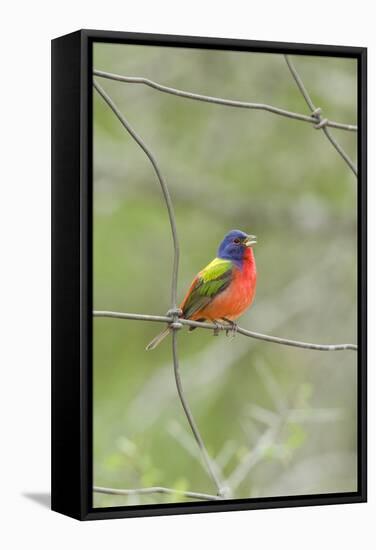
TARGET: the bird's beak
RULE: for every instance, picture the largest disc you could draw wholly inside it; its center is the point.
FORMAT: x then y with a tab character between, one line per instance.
250	240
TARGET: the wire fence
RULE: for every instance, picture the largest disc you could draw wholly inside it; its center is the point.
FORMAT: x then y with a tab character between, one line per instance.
173	316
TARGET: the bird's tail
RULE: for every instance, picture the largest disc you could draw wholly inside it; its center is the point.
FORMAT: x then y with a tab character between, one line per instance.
158	339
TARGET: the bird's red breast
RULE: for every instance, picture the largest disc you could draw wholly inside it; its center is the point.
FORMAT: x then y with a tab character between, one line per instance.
237	297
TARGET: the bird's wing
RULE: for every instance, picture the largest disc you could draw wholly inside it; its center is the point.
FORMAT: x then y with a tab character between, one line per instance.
212	280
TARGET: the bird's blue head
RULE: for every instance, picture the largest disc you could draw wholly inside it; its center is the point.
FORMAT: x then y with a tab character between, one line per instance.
234	245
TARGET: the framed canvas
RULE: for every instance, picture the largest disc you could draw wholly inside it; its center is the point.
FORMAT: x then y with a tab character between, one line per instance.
188	172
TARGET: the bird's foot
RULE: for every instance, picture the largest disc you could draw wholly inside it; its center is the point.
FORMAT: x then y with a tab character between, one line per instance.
217	328
233	328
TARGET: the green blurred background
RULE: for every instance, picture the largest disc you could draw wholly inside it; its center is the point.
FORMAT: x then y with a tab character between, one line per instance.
277	420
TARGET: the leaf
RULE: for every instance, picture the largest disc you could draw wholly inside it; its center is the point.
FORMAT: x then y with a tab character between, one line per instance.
296	437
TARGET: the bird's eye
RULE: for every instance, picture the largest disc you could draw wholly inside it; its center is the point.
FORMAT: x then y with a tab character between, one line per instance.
237	240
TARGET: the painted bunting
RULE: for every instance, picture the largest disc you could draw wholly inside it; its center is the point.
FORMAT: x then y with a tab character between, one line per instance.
225	288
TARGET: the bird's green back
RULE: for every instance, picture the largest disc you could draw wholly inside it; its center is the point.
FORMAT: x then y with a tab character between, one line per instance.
212	280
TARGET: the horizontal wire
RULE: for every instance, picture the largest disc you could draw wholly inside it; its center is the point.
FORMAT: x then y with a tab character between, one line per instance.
236	328
221	101
155	490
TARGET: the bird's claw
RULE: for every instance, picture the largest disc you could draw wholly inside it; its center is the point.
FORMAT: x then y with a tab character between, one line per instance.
232	330
217	328
230	333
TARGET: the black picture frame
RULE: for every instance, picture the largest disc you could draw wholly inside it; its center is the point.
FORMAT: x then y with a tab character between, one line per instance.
72	302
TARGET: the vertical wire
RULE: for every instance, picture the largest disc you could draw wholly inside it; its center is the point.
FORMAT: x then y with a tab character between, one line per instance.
171	214
312	107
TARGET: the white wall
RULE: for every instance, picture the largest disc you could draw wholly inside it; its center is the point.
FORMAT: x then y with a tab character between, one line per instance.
26	30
